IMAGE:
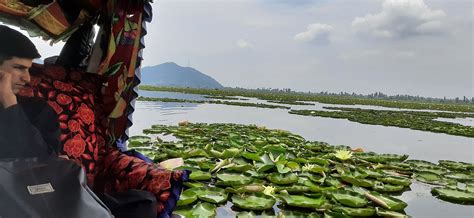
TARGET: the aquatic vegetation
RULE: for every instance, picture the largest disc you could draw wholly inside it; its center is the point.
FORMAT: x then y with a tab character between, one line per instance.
425	121
292	97
232	103
258	168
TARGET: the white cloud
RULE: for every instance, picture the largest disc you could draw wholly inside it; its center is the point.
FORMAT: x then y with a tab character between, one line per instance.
370	54
401	19
243	44
316	32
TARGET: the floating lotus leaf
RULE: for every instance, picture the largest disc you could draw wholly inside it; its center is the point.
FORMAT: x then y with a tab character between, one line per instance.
194	184
229	179
396	180
371	173
433	169
397	166
297	214
381	187
334	214
199	210
420	163
239	168
386	201
227	153
368	211
265	163
381	158
195	153
302	201
245	189
198	175
294	189
358	182
293	166
457	166
281	167
317	188
453	195
255	174
283	179
319	161
137	141
246	214
386	213
251	156
430	178
187	197
206	165
462	177
349	198
210	194
255	201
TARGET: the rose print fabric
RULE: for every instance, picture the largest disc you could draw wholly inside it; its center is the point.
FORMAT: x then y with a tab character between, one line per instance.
74	97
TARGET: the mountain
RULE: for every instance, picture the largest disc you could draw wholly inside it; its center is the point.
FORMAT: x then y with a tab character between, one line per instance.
171	74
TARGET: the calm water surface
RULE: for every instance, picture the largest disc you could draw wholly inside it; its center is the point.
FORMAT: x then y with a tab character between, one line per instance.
417	144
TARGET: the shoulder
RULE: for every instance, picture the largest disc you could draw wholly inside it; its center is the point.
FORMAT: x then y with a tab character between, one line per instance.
34	106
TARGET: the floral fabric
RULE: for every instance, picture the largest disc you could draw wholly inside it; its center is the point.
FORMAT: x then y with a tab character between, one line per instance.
74	97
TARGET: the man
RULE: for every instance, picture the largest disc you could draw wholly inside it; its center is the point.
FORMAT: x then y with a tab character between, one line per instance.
28	126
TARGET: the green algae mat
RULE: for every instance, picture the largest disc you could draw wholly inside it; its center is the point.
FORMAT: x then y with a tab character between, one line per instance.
276	173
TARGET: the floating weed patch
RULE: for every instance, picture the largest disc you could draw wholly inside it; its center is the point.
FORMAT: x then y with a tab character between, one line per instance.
257	169
425	121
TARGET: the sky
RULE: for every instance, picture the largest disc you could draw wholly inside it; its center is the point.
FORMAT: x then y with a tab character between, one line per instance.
415	47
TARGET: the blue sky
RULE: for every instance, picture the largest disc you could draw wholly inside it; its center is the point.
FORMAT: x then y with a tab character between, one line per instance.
417	47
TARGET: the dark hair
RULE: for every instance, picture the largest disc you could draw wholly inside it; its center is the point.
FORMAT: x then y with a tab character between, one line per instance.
15	44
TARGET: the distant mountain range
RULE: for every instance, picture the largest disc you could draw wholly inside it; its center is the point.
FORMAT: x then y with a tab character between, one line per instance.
171	74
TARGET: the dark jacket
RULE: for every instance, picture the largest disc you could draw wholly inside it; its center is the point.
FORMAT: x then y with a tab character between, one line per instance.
29	129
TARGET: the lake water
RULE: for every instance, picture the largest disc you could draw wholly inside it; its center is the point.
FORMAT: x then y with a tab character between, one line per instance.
417	144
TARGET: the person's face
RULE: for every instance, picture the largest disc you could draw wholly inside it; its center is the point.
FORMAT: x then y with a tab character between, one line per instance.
18	68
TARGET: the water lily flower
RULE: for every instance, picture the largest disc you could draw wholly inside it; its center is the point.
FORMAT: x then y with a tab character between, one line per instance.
343	154
308	167
183	123
269	190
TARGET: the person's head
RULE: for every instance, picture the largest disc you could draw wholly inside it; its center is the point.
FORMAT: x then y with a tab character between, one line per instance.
16	56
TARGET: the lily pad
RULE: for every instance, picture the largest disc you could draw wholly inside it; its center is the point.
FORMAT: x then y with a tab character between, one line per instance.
387	213
453	195
294	189
462	177
283	179
199	210
456	166
229	179
302	201
136	141
334	214
420	163
349	198
200	176
382	187
386	201
396	180
187	197
255	201
430	178
245	189
381	158
369	211
297	214
210	194
358	182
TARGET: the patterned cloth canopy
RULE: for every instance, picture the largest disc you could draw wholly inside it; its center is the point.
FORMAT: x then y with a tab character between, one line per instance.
123	25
